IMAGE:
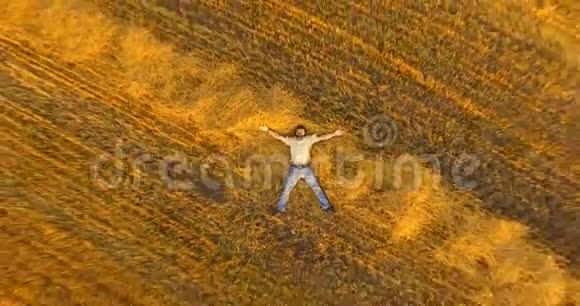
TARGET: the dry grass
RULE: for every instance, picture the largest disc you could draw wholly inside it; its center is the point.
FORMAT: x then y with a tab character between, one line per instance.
509	270
72	243
555	22
418	213
77	35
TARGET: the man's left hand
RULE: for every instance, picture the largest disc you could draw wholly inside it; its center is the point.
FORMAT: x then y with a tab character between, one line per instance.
339	133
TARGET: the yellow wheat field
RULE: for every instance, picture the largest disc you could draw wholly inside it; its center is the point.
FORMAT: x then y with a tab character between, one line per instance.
97	96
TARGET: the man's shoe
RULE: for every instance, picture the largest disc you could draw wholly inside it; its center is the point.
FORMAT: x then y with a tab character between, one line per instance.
280	211
330	209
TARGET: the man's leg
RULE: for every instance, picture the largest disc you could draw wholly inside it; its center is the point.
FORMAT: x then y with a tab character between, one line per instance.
289	184
312	181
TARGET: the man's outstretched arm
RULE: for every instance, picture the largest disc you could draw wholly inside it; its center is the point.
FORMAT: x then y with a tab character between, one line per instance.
274	134
329	136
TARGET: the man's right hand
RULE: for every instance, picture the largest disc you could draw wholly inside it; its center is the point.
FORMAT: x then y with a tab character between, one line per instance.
264	128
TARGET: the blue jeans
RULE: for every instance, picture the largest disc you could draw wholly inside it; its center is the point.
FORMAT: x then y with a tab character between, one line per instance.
294	175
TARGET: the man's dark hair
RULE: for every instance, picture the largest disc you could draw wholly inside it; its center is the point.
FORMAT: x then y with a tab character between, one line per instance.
299	127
